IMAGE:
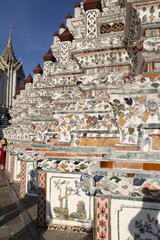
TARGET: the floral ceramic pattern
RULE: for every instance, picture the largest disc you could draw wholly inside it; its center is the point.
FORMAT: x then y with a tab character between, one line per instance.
148	14
56	81
102	219
104	42
133	110
90	92
149	227
87	183
69	228
59	165
134	187
103	59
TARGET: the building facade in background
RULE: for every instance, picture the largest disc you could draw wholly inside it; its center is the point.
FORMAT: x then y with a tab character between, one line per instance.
11	78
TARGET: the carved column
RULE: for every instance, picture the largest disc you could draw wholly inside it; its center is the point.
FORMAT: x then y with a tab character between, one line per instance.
42	199
23	180
12	167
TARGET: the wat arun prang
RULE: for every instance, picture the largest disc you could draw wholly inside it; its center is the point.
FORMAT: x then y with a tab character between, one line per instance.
85	133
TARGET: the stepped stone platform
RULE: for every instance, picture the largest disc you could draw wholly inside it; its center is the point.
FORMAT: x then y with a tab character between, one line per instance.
85	132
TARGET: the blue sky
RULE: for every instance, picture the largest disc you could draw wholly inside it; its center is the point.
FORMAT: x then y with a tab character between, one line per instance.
34	23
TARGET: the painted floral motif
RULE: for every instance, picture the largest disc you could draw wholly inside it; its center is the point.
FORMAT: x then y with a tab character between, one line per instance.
134	187
102	223
148	14
87	183
69	229
102	235
72	122
102	59
149	227
102	218
92	122
118	108
55	122
130	112
62	211
137	46
59	165
89	96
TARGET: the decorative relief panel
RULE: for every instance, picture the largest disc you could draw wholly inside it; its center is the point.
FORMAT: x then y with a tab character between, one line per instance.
125	186
142	220
148	13
115	57
68	202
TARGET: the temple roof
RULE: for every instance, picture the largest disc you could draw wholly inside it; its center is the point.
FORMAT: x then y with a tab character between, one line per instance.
38	69
68	16
76	5
29	79
66	35
9	57
62	25
92	4
49	56
56	34
8	54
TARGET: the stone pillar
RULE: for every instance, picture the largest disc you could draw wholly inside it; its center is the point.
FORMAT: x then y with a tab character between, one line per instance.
37	75
92	9
77	9
14	83
42	200
56	38
101	218
23	180
12	168
91	31
7	161
49	59
68	20
64	53
11	94
61	28
66	38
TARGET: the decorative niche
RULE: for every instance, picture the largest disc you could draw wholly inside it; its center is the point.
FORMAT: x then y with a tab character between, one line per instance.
109	28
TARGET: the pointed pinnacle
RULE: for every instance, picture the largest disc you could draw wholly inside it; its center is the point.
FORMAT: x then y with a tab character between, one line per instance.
10	36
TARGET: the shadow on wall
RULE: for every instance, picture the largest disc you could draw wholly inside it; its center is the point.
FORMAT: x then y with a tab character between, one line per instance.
146	224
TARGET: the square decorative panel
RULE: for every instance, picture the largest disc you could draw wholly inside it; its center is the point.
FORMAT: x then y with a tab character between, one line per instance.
67	201
132	220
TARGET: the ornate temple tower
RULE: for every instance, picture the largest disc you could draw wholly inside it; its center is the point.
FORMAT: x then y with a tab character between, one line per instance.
85	133
11	77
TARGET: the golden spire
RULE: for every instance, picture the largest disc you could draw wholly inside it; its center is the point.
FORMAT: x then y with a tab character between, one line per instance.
10	36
